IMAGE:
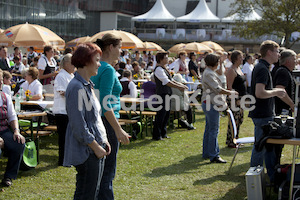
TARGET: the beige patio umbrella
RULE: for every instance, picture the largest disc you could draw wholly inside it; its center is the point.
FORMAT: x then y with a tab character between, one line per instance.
196	47
26	35
214	46
176	48
78	41
150	46
129	41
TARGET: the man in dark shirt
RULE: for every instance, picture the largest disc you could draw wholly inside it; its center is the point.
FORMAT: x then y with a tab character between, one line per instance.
263	91
283	79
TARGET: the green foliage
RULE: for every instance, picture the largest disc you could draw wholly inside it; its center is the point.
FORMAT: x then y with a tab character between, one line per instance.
279	17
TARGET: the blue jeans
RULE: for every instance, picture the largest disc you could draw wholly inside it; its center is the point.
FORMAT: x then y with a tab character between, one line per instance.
88	178
106	186
258	157
15	154
210	137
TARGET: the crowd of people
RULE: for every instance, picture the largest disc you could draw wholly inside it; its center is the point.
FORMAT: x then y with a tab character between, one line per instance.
89	131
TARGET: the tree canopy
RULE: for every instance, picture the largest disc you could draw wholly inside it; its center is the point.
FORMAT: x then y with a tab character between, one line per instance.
279	17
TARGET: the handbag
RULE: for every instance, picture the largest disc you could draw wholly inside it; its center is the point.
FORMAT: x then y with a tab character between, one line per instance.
29	159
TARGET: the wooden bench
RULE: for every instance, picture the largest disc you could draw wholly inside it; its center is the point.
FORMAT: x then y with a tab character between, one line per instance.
128	121
40	133
142	114
52	128
147	113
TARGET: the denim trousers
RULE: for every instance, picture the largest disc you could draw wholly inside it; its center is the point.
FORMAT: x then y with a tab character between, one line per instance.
15	154
106	187
210	137
88	178
161	120
258	157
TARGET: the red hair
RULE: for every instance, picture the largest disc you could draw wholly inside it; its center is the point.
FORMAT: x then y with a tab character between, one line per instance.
84	53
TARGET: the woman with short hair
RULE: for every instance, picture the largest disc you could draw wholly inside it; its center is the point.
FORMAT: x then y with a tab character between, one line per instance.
32	85
213	101
86	142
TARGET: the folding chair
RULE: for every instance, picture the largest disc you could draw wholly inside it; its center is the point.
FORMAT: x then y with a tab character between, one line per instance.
240	141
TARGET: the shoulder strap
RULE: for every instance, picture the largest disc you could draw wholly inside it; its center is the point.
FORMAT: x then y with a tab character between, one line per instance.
3	96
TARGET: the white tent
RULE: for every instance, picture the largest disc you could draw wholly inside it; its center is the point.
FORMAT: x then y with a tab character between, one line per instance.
235	17
158	13
201	13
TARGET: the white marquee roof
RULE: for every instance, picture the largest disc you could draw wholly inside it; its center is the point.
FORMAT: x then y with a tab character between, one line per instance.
251	16
158	13
201	13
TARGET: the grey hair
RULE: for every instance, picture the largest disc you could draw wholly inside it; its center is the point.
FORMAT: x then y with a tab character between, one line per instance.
66	58
24	71
285	54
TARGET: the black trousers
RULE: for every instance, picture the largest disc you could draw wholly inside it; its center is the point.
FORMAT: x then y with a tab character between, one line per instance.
161	121
189	115
61	123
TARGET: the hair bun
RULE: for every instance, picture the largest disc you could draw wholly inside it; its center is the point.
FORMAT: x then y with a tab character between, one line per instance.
100	43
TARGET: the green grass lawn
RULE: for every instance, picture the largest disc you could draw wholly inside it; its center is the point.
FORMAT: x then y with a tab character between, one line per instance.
169	169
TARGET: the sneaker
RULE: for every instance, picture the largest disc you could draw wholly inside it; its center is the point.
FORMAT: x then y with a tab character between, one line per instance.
191	127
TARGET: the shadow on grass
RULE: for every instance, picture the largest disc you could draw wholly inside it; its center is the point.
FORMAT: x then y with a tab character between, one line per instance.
47	162
233	176
136	144
230	151
184	166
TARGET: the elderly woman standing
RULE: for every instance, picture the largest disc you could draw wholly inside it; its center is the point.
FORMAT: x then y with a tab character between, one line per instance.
213	101
236	80
86	141
61	83
110	88
47	68
10	133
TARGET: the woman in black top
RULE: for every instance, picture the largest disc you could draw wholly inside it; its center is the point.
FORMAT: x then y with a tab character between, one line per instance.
193	69
236	80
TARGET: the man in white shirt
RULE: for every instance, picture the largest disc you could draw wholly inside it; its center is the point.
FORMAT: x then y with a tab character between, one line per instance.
247	70
227	61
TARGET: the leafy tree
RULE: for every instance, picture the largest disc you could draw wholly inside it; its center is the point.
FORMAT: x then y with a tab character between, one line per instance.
279	17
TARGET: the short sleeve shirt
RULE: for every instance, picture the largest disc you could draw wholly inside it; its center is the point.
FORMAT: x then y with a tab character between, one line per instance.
263	107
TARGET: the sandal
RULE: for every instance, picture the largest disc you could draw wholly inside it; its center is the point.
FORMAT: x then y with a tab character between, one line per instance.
7	182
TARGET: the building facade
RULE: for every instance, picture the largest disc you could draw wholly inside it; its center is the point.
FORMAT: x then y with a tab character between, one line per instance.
72	18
